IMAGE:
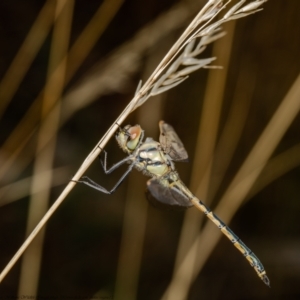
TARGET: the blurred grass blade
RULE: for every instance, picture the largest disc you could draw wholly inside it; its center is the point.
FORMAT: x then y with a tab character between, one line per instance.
136	210
45	155
277	167
20	189
90	35
205	145
78	52
26	54
233	128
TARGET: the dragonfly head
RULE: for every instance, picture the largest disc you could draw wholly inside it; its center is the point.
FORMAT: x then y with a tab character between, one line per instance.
129	137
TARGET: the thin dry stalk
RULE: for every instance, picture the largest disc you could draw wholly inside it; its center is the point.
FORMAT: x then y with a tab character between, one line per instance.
45	155
26	54
112	74
241	185
117	68
166	76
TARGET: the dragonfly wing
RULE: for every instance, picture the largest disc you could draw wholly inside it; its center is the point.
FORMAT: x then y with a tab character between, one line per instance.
164	197
171	143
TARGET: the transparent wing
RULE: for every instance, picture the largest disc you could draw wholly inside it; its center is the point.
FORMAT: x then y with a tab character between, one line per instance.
164	197
171	143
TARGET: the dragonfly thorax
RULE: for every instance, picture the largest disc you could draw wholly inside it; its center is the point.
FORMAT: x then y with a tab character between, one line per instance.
154	161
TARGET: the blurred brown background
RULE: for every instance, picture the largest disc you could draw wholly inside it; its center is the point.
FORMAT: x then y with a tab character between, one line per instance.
115	246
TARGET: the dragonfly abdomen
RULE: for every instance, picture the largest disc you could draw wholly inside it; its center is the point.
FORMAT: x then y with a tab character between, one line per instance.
237	242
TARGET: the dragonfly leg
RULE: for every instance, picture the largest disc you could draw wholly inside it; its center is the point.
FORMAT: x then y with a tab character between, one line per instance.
89	182
115	166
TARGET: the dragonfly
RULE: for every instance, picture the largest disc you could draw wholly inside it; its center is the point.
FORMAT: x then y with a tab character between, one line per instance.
165	188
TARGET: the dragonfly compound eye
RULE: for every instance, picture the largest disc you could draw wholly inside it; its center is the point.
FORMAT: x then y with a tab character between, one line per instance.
134	135
129	137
